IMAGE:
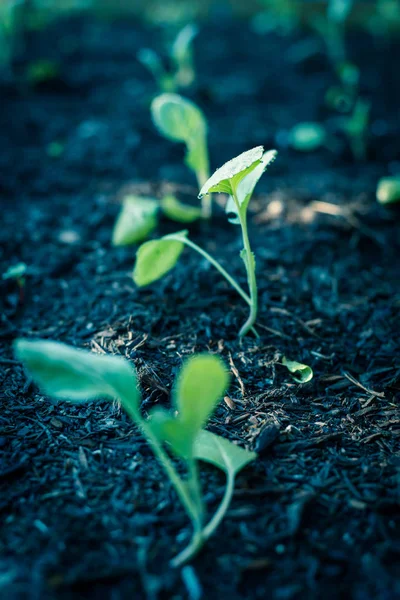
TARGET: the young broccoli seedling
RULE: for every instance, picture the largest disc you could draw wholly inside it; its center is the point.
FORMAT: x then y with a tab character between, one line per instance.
67	373
237	178
182	73
17	273
180	120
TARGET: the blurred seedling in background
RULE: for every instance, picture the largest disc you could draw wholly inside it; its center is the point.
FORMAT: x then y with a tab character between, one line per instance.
237	178
17	273
388	190
182	71
180	120
65	372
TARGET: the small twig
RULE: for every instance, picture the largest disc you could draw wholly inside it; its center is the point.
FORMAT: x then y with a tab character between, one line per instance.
360	385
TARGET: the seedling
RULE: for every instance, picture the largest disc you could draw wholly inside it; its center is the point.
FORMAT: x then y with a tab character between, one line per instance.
183	73
180	120
237	178
17	273
67	373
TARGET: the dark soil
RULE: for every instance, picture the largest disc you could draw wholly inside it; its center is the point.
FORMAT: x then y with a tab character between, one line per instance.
86	512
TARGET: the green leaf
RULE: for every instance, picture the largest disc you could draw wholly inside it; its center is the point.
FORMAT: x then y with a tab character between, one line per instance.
228	177
300	373
70	373
155	258
180	120
388	190
15	272
200	384
182	46
307	137
221	453
177	211
137	219
243	185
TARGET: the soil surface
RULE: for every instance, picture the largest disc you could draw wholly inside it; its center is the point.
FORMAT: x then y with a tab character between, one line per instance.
85	509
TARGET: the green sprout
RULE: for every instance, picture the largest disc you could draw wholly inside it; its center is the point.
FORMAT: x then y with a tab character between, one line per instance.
181	57
237	178
180	120
65	372
299	372
355	127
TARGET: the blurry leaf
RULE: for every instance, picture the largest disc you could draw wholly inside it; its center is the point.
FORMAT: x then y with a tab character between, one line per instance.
153	63
137	219
199	386
177	211
15	272
69	373
222	453
180	120
155	258
181	49
300	373
42	71
388	190
307	137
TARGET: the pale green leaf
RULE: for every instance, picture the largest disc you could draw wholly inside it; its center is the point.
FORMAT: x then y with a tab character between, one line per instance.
182	47
137	219
299	372
199	386
307	137
155	258
388	190
70	373
177	211
180	120
221	453
231	173
245	187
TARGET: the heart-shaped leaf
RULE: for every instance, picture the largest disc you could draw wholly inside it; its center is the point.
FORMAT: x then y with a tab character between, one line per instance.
137	219
69	373
155	258
299	372
199	386
222	453
177	211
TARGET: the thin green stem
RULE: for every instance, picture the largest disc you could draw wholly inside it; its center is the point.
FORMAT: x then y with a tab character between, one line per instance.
251	273
201	537
214	263
223	507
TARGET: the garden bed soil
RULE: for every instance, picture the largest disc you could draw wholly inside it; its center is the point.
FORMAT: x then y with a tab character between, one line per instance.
85	509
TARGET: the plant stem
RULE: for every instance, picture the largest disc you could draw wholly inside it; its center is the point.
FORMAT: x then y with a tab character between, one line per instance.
200	537
214	263
251	272
181	489
223	507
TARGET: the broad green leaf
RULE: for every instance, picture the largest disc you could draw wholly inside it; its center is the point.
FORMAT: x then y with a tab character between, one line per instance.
227	177
388	190
70	373
300	373
180	120
307	137
244	187
221	453
177	211
137	219
199	387
155	258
